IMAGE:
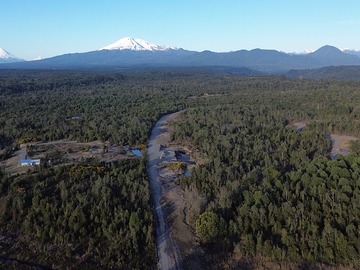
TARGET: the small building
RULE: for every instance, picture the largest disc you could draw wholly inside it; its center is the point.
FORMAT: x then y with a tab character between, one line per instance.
29	162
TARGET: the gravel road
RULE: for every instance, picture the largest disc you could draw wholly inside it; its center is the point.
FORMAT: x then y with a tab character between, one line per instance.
168	254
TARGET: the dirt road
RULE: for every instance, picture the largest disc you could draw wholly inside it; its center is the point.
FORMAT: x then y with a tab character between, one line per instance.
168	254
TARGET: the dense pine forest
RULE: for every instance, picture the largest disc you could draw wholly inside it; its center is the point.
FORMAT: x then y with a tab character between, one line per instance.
82	216
269	190
264	188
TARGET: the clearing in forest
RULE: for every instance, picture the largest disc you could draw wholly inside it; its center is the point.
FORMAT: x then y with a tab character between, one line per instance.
340	144
67	152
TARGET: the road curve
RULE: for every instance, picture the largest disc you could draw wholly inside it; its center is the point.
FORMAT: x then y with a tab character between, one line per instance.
168	254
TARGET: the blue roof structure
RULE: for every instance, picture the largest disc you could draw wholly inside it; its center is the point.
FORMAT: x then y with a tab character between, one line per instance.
30	162
136	152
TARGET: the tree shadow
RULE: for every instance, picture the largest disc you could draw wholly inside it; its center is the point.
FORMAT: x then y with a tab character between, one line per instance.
245	263
195	260
169	209
308	266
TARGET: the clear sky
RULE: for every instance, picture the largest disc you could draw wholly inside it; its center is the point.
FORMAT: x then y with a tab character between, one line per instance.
32	28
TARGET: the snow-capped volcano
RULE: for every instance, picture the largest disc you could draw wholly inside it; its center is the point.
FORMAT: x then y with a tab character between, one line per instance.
6	57
136	44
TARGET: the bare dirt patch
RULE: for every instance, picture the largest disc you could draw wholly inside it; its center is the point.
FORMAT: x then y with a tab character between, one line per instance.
341	144
12	164
299	126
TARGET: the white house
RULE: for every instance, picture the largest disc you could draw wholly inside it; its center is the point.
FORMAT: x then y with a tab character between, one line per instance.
29	162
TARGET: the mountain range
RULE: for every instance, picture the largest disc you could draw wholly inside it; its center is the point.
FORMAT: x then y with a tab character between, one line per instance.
352	52
130	52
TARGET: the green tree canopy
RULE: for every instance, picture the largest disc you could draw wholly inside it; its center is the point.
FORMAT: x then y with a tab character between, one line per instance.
210	227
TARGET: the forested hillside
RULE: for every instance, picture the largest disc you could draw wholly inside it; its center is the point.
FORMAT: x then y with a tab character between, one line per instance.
264	189
351	73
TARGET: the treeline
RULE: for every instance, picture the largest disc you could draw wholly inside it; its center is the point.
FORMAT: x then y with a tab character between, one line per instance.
88	216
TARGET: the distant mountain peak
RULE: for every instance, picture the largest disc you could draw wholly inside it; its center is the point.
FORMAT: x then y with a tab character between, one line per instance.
135	44
5	54
6	57
332	56
327	50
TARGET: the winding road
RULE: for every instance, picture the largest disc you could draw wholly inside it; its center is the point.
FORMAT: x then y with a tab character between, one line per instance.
167	251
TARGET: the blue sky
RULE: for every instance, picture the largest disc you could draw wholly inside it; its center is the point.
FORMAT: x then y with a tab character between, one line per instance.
32	28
